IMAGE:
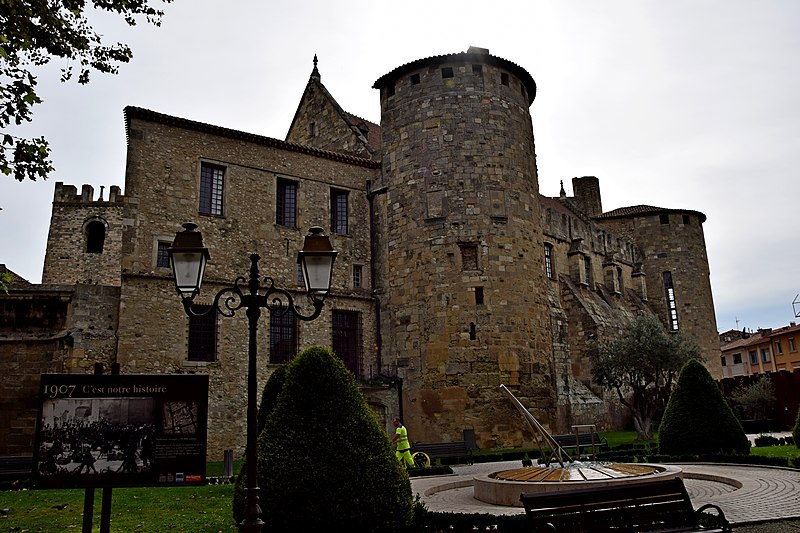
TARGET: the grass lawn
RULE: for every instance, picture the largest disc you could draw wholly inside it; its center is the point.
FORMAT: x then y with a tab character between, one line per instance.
205	509
789	451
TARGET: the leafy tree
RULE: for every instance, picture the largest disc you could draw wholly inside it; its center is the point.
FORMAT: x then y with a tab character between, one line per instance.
755	401
641	366
796	429
697	419
35	32
5	281
325	463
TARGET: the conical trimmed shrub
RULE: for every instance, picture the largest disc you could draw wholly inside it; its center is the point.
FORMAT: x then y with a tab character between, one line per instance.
325	463
698	420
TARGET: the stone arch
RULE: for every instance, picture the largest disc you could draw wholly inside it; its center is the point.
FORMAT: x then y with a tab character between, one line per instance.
94	234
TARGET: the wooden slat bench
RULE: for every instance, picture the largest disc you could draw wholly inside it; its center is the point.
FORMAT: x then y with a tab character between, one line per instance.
658	505
445	450
14	467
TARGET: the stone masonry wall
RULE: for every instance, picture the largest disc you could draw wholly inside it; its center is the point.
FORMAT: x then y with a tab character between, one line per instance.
463	220
153	325
66	259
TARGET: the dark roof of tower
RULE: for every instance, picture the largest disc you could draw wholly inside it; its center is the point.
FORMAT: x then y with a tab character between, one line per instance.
160	118
473	55
647	210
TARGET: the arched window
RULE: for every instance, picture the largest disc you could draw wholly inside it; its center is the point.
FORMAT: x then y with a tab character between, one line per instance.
95	237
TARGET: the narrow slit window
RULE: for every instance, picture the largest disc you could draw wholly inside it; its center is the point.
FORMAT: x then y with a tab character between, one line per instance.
548	260
672	305
478	295
504	78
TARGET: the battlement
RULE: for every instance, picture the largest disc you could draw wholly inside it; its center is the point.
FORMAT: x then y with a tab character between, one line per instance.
69	194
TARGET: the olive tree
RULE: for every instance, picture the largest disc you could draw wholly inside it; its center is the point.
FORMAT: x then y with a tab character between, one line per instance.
755	401
641	366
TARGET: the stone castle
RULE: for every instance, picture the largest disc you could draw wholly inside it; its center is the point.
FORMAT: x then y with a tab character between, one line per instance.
454	274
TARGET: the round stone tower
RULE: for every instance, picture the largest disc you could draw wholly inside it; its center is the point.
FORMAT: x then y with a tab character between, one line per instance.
464	299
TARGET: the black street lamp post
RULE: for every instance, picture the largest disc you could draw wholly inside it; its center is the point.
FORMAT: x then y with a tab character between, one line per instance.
188	258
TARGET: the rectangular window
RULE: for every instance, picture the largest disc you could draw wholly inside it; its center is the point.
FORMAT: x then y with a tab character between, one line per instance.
548	260
415	79
620	280
282	335
792	345
504	78
358	270
162	256
469	257
301	280
664	219
347	338
478	295
778	348
447	72
753	357
587	270
286	204
723	361
737	359
672	305
212	181
686	220
765	355
339	211
203	334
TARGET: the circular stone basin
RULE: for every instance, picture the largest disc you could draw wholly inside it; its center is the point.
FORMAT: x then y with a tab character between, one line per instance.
505	487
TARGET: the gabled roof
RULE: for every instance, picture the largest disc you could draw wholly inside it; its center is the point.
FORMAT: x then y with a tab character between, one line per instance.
132	112
372	139
754	339
792	328
647	210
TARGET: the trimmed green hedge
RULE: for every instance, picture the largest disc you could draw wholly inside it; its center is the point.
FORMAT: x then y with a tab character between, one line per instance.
698	420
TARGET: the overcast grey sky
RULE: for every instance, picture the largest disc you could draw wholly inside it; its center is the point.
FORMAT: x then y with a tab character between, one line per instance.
680	104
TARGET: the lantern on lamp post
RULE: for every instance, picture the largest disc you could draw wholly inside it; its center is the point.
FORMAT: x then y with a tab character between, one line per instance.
188	258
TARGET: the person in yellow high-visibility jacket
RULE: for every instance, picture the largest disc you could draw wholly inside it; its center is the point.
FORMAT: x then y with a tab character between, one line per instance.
403	451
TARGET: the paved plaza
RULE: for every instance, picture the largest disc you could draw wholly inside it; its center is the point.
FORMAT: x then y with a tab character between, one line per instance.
747	494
